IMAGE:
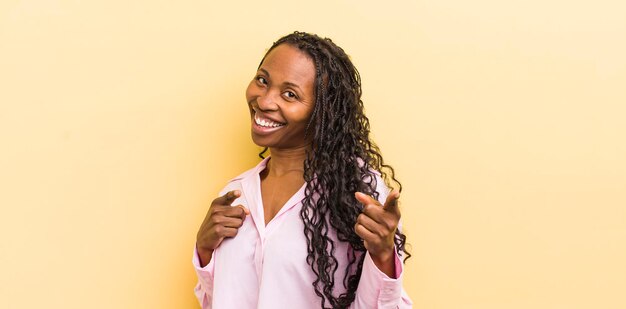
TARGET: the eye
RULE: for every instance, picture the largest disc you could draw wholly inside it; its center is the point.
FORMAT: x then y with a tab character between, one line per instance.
290	95
261	80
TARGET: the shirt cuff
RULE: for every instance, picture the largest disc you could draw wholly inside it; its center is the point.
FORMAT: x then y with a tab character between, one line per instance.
205	274
384	291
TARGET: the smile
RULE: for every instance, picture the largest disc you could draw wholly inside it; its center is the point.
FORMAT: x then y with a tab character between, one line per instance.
266	123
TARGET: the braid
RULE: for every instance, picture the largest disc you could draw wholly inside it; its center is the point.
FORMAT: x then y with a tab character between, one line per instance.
341	162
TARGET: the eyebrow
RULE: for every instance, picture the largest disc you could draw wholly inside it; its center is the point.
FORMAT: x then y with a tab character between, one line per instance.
284	83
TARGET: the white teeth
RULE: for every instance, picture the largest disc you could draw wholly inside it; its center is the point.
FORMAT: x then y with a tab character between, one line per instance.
266	122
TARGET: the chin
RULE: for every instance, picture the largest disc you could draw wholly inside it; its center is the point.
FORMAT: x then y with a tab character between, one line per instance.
260	141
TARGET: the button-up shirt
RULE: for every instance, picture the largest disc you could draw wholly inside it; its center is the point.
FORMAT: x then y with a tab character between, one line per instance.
265	266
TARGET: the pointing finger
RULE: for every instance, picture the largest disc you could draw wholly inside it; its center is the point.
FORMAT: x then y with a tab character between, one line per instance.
227	198
391	204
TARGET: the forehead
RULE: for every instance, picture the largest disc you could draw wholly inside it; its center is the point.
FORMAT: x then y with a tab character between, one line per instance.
288	63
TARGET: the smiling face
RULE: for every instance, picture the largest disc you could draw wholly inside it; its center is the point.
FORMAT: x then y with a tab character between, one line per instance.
281	98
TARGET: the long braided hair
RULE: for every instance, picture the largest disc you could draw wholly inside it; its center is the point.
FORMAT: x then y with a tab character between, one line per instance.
341	161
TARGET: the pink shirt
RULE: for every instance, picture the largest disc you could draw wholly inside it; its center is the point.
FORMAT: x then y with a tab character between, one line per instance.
265	266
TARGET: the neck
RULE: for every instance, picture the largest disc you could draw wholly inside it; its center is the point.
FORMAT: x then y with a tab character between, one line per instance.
285	161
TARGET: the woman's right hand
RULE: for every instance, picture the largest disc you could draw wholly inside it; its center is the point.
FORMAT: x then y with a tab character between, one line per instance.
221	221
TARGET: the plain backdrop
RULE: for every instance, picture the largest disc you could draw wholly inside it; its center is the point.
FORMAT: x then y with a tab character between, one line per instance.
121	120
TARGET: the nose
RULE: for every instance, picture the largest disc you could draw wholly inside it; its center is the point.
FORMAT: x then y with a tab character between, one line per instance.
266	101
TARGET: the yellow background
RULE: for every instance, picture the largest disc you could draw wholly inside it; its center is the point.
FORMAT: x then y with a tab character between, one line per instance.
121	120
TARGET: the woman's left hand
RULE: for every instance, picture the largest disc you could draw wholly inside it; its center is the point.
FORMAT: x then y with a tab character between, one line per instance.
377	225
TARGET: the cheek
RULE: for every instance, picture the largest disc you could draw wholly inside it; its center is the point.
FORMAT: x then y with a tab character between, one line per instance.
304	116
309	114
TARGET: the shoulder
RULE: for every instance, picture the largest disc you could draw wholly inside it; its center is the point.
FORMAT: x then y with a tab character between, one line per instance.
235	183
243	175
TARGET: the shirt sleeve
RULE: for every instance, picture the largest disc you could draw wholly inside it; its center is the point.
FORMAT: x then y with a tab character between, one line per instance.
377	290
204	287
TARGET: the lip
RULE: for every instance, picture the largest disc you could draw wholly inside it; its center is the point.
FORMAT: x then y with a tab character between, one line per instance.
262	115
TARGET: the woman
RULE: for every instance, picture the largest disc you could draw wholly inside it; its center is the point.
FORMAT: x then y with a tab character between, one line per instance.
313	225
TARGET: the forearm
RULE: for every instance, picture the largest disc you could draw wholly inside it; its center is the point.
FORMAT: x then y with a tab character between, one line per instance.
386	263
204	256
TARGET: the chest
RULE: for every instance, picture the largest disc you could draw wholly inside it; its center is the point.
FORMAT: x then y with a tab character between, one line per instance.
276	191
278	249
269	261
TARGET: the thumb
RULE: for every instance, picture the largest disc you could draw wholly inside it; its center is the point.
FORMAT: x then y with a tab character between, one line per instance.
365	199
246	210
391	204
